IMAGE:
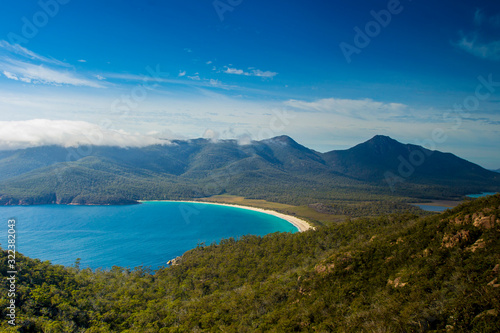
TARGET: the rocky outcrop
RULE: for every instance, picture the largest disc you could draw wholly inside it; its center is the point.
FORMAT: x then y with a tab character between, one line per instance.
175	261
485	219
450	241
479	244
396	283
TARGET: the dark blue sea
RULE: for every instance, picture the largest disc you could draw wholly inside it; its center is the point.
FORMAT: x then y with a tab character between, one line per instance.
148	234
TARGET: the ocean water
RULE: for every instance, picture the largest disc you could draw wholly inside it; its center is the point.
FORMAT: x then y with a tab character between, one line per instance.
149	234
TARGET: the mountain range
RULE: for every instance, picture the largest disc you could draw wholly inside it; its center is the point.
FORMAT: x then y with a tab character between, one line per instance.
277	169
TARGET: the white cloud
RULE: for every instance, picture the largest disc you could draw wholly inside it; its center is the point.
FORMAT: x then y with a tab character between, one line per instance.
477	44
182	73
208	62
489	50
22	51
364	108
11	76
82	60
195	81
215	83
20	64
41	132
100	77
260	73
254	72
234	71
32	73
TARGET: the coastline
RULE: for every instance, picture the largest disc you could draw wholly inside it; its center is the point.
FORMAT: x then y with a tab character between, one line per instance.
300	224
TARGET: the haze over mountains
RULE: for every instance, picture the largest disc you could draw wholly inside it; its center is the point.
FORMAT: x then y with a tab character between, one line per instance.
276	169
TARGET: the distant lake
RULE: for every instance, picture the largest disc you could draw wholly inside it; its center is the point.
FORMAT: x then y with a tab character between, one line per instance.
149	234
430	208
438	208
484	194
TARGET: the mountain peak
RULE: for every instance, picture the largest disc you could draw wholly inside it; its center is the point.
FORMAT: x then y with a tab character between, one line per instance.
284	140
382	139
379	144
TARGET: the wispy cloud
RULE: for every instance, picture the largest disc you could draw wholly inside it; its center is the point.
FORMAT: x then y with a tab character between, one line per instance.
253	72
478	17
41	132
362	109
258	72
489	50
194	80
24	52
42	74
14	77
476	43
20	64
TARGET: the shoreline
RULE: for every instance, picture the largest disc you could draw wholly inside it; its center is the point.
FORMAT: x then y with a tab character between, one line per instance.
300	224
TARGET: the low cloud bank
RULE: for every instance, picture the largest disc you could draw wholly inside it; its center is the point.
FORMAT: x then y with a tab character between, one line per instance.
66	133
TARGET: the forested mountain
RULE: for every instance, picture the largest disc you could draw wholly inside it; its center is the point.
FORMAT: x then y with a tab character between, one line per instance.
277	169
372	160
395	273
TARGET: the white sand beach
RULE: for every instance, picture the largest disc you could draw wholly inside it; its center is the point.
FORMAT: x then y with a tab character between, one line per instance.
299	223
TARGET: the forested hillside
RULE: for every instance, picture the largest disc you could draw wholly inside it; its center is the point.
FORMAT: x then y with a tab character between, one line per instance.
395	273
277	169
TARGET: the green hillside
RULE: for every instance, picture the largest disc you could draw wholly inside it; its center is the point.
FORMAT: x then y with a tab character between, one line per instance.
277	169
396	273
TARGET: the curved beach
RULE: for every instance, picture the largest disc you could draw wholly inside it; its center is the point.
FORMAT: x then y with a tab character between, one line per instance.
300	224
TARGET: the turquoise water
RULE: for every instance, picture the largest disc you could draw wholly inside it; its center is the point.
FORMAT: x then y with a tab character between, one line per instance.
484	194
149	234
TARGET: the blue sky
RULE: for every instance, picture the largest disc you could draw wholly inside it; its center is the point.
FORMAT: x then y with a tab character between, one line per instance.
133	72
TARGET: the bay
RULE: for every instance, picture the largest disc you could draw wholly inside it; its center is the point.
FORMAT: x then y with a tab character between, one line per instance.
148	234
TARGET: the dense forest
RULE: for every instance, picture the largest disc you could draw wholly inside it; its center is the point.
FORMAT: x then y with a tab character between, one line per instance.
393	273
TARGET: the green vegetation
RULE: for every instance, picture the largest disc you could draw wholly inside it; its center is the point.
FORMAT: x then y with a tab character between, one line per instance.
276	170
393	273
325	214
